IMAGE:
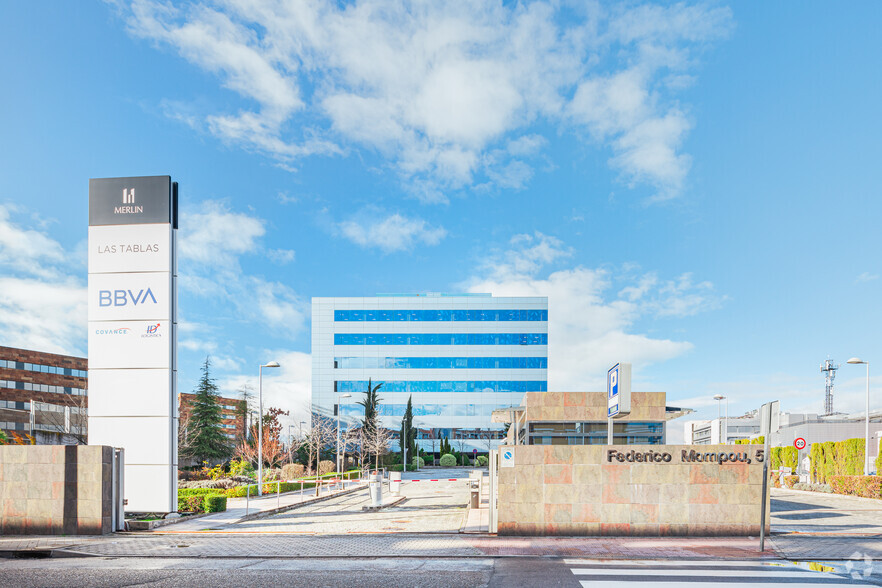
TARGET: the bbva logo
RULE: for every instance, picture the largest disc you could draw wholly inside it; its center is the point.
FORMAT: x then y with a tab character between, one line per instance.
124	297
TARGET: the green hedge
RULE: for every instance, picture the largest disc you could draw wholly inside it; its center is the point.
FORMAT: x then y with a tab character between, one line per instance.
837	458
447	461
784	457
864	486
211	501
215	503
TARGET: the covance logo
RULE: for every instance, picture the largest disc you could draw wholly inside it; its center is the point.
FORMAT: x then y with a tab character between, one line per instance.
128	197
105	332
125	297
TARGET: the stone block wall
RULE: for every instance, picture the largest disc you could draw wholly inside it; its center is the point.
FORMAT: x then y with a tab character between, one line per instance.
55	489
584	490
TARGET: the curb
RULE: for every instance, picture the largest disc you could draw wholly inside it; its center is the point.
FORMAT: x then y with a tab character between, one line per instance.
398	500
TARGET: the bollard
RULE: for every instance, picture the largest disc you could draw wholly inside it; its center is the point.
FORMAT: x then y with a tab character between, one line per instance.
376	490
395	483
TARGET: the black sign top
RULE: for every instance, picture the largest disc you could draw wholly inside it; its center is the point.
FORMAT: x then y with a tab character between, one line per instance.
133	201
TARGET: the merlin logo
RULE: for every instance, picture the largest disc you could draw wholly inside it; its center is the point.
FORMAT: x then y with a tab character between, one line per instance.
124	297
128	197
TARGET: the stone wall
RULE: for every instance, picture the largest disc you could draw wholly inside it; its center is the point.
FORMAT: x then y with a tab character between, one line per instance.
584	490
55	489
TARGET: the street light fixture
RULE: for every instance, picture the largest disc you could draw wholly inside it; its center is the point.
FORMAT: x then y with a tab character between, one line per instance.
853	361
272	364
718	398
339	407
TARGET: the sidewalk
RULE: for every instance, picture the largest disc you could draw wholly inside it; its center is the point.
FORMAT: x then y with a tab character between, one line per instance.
238	509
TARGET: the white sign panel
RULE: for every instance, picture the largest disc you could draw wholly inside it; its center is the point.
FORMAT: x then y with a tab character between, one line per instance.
113	393
129	344
130	248
618	390
129	297
506	457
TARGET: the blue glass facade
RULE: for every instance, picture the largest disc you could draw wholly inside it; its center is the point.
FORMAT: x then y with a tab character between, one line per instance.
445	386
440	315
457	358
422	363
441	339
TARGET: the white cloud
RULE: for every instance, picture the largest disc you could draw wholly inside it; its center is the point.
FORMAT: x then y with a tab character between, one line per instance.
287	387
213	240
588	328
866	277
436	87
214	236
393	233
42	303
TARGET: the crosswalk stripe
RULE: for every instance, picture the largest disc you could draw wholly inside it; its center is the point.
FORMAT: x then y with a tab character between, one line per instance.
619	582
693	572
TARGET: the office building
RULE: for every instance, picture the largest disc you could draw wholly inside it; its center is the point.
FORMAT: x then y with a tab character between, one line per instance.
43	396
233	420
579	418
459	357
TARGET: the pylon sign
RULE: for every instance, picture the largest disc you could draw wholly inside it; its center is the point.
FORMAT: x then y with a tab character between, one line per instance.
133	333
618	390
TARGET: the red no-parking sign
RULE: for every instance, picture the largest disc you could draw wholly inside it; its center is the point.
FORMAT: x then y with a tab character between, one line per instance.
799	443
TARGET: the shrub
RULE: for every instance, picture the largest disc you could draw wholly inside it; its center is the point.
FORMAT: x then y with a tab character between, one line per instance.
419	462
864	486
241	467
879	464
292	471
447	461
482	460
191	503
813	487
214	503
325	467
789	481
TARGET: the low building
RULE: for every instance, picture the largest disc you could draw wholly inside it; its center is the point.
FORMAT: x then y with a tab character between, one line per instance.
43	396
233	419
579	418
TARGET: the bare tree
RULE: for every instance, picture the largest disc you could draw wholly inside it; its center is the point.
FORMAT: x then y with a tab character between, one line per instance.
273	451
322	434
66	420
350	439
376	442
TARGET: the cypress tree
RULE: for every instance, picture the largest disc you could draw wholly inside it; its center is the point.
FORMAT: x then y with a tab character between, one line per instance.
407	436
206	441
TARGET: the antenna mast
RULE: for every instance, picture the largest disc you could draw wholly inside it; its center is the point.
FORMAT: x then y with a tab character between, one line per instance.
828	368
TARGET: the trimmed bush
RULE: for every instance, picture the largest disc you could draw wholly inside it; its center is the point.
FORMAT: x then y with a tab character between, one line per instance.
215	503
813	487
292	471
326	467
482	460
789	481
421	463
863	486
447	461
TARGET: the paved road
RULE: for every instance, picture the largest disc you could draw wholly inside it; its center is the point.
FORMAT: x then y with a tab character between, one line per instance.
811	512
453	572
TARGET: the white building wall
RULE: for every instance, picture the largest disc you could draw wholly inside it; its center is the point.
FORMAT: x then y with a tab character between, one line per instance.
458	409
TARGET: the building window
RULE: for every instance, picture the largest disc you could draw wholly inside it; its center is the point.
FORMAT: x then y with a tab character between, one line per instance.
43	369
472	363
441	339
445	386
439	315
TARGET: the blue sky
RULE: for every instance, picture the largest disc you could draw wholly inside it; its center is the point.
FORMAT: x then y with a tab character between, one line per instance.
694	186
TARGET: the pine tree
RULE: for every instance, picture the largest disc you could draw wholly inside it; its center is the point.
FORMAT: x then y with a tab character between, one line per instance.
206	441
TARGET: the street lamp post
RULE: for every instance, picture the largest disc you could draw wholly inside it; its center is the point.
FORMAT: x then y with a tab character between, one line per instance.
339	407
857	360
718	398
301	429
272	364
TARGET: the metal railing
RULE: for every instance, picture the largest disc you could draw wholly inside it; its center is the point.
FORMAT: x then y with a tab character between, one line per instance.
325	481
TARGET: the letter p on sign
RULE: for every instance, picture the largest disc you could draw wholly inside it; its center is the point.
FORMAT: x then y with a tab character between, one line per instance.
799	443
